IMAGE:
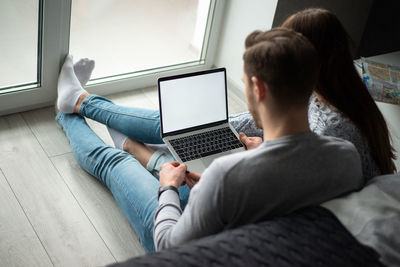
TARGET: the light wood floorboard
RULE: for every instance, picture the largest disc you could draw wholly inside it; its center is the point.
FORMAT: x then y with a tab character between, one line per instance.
19	244
64	229
51	138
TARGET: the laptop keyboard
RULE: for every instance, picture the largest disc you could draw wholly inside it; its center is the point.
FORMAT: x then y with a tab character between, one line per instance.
205	144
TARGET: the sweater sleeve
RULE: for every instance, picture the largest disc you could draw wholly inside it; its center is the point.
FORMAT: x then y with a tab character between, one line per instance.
325	121
244	122
173	227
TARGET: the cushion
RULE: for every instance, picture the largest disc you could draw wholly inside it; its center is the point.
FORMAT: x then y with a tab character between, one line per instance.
372	215
309	237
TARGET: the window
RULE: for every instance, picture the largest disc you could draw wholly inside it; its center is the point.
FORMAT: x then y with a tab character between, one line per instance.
126	37
132	41
19	44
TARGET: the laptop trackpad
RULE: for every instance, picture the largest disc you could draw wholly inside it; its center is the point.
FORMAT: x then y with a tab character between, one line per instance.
207	161
196	166
200	165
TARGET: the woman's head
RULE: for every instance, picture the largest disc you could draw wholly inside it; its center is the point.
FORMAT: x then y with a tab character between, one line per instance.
333	44
339	83
324	30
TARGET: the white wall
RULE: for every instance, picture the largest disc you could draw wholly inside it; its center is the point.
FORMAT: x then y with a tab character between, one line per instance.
241	18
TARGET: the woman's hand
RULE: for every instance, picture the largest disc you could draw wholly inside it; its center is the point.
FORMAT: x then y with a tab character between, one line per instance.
250	142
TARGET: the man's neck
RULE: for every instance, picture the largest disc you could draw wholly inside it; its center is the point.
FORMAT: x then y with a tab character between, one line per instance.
283	123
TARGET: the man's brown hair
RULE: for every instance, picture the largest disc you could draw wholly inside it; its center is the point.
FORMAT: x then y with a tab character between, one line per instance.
286	61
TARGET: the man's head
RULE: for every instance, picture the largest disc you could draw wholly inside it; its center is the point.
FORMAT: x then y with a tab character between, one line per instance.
285	63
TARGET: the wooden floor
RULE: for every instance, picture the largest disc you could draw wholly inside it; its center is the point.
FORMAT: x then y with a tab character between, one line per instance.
52	212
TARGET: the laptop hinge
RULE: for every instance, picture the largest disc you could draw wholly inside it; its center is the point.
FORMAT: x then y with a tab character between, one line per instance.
191	129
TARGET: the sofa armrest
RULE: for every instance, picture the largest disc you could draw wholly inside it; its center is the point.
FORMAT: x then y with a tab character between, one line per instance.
309	237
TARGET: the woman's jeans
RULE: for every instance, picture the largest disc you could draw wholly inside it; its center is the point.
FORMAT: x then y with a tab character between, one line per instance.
134	188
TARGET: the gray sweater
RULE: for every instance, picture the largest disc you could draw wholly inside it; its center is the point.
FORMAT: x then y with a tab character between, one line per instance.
278	177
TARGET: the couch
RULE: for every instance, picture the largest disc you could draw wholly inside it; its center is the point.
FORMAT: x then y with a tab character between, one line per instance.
325	235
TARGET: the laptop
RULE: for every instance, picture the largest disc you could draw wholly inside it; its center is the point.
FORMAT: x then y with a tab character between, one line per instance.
194	118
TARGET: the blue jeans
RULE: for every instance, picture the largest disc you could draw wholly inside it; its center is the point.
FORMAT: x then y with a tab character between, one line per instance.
133	186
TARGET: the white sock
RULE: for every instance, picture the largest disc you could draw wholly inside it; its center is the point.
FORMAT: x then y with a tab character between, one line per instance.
83	70
118	138
69	88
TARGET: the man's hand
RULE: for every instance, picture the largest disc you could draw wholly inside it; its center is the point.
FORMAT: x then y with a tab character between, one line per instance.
172	173
250	142
192	178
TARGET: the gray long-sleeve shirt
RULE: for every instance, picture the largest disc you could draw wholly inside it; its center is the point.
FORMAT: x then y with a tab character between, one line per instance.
323	120
278	177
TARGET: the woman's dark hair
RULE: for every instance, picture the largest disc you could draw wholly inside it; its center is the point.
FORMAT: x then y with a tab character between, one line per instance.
339	83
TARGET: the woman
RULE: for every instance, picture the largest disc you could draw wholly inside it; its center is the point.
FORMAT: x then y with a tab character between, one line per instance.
341	105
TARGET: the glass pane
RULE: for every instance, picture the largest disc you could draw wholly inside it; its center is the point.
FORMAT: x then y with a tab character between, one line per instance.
18	42
125	36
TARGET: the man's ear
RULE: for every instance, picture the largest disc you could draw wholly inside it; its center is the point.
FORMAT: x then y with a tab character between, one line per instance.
258	88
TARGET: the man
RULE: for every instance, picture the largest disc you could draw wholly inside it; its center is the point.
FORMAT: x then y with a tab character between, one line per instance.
290	169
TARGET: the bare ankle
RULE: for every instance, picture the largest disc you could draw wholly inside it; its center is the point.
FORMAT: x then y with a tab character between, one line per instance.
128	145
139	150
80	101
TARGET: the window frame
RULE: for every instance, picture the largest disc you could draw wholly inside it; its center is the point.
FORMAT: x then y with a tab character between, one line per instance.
54	41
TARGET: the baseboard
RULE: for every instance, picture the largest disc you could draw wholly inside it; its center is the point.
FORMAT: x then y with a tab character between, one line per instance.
26	108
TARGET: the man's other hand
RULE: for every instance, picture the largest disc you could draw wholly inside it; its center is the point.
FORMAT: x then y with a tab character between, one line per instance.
172	173
192	178
250	142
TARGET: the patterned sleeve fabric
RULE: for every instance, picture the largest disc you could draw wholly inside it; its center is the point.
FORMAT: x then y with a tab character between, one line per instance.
323	121
243	122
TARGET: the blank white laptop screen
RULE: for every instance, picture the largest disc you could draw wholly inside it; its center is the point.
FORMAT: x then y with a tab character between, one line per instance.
193	101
